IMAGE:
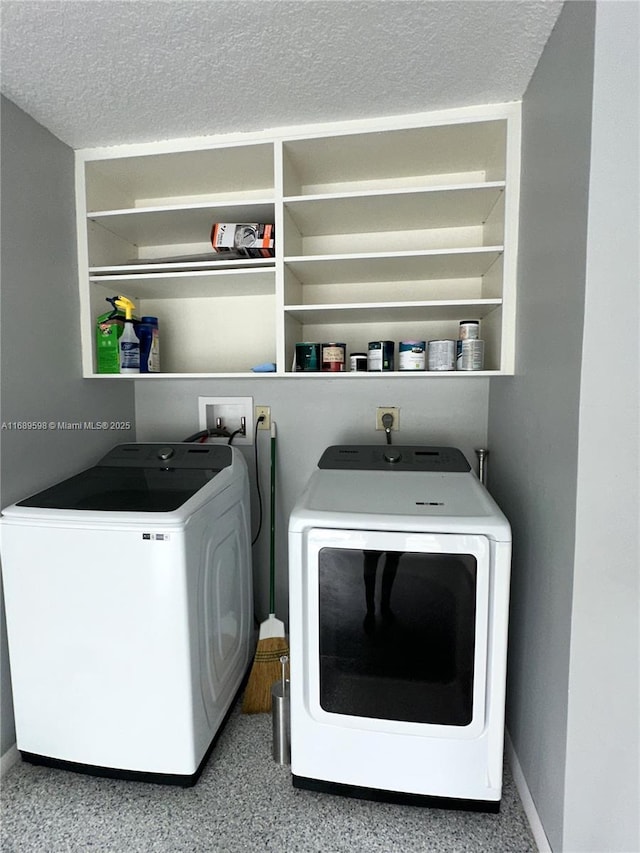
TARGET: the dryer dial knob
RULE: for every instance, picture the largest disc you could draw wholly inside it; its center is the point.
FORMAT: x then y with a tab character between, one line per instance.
165	453
392	456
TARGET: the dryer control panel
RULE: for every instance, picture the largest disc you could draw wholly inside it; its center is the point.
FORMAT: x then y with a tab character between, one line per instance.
375	457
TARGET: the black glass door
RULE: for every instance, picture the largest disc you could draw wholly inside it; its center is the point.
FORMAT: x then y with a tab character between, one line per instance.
112	489
397	635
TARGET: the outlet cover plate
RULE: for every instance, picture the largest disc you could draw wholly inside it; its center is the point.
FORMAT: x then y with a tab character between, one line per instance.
266	411
392	410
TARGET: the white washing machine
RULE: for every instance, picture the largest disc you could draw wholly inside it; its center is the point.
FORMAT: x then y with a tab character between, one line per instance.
399	566
128	593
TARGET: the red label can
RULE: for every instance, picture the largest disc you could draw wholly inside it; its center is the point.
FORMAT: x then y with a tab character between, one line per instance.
333	357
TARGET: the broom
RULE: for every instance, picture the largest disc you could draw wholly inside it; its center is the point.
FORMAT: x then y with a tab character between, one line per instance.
272	643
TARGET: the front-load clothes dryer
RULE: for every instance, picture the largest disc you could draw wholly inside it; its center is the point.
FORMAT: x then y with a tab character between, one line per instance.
399	565
128	592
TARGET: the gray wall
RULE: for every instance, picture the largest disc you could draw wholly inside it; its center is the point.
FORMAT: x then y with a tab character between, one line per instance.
602	789
41	378
560	435
534	416
312	414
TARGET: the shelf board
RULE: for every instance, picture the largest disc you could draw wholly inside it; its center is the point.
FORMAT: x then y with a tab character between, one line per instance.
159	268
348	375
156	377
429	207
190	284
402	374
174	224
392	312
394	266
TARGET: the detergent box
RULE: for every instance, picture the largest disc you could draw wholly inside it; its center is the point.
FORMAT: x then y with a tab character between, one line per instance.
109	328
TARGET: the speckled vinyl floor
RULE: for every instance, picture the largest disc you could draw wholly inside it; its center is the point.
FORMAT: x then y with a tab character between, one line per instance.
243	803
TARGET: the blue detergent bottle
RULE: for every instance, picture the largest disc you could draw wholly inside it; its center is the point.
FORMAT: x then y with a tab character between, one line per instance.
149	336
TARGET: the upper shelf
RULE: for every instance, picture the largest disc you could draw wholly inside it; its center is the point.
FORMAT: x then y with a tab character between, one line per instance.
157	226
250	281
394	266
398	312
215	174
421	156
354	213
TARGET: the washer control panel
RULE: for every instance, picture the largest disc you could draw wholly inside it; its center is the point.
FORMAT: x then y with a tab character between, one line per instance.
151	455
397	457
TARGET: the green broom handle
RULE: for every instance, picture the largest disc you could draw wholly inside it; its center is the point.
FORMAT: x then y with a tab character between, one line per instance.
272	549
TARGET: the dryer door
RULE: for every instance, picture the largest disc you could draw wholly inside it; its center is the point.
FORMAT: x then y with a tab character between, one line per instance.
397	629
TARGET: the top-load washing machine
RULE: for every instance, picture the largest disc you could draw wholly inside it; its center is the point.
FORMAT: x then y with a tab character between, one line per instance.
128	594
399	566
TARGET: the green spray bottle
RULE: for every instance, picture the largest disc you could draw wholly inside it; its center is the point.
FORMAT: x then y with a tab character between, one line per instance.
129	343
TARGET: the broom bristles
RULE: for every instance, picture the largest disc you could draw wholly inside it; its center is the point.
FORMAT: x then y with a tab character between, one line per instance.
266	670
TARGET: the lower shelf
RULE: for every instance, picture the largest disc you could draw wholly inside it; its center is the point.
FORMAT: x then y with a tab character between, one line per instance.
348	375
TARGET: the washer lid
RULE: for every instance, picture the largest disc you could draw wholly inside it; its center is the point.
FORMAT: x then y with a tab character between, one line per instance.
137	478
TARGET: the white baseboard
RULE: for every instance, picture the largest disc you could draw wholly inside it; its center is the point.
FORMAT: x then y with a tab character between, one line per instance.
10	757
537	829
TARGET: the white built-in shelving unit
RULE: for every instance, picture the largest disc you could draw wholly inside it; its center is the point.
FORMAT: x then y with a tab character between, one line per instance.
395	229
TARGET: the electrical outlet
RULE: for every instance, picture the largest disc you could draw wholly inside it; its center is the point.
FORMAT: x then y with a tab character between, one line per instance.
266	411
394	411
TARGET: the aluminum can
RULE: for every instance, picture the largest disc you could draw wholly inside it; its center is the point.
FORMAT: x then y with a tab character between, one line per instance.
307	357
358	361
442	355
380	355
470	355
411	355
469	330
332	357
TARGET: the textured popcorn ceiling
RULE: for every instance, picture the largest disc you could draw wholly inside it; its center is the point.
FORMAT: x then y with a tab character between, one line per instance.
104	72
